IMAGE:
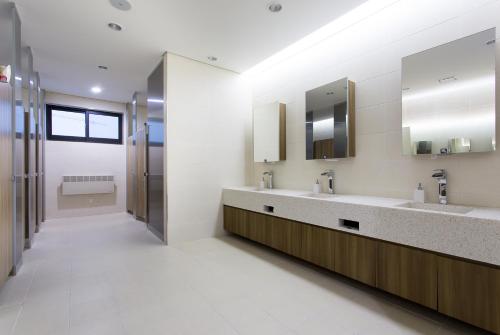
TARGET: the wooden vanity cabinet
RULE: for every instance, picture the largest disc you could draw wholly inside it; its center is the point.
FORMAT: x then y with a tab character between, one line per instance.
277	233
469	292
408	273
356	257
461	289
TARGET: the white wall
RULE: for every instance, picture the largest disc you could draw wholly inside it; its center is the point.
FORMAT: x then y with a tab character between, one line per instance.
77	158
369	52
208	127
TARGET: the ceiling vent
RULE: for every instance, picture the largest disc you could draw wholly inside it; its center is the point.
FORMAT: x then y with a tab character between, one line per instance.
274	7
121	4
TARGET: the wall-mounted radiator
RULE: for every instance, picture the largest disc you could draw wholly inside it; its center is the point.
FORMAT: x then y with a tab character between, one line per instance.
72	185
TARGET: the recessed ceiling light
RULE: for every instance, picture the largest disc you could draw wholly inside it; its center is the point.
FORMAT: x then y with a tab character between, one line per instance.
274	7
114	26
96	90
121	4
103	67
212	58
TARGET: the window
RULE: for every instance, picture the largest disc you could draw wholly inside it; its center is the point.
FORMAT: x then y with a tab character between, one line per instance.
81	125
66	123
103	126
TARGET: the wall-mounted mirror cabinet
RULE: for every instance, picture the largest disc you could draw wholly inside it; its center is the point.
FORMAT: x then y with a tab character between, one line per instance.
330	121
269	133
448	97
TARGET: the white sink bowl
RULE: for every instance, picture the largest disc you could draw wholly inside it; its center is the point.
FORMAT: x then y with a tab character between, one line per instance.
318	195
258	189
437	207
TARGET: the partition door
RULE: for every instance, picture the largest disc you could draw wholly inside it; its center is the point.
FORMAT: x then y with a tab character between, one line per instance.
155	202
141	185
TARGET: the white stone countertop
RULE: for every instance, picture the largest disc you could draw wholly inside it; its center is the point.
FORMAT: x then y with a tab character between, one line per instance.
468	232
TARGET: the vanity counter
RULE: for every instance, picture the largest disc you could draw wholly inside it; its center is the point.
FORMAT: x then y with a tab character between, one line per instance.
474	235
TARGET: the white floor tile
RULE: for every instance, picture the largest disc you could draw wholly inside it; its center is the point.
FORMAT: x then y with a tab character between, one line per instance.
8	318
108	275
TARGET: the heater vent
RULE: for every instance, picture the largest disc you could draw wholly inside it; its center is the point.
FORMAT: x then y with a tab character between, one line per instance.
73	185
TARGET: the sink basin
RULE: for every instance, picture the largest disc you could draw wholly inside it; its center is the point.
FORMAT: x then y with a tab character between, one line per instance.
437	207
258	189
318	195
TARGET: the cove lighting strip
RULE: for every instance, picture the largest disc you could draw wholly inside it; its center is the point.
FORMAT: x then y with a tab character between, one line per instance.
347	20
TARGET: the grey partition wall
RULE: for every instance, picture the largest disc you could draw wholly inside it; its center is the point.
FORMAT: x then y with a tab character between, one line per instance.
139	179
18	145
38	150
42	151
155	153
10	55
29	171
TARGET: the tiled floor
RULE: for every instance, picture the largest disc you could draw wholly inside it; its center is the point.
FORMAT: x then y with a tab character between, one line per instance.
109	275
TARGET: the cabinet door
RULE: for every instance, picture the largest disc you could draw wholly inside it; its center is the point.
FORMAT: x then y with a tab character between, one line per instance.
256	227
283	235
356	257
469	292
317	246
235	220
408	273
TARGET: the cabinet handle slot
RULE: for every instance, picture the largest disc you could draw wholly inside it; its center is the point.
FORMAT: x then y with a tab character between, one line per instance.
268	209
349	224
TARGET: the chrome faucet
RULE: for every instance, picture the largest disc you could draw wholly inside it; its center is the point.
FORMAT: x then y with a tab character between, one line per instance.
330	175
440	176
270	179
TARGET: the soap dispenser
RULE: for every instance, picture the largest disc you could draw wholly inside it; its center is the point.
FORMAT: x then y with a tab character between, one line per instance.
317	187
419	194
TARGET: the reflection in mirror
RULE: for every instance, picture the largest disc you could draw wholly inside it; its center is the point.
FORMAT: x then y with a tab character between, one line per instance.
448	97
330	121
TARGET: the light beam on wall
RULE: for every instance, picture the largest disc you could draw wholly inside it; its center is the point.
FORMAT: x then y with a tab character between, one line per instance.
352	17
157	101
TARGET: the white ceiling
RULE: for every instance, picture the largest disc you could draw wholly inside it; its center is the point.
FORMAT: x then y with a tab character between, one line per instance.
70	38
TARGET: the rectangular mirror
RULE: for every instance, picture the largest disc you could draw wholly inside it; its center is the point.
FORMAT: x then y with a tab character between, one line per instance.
448	97
269	133
330	121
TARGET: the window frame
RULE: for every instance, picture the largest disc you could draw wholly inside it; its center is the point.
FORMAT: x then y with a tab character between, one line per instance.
87	138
